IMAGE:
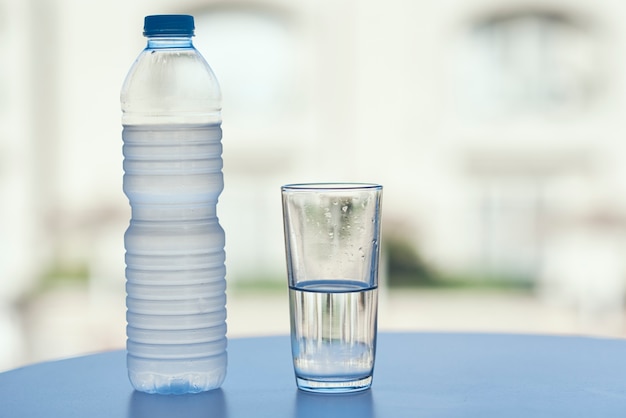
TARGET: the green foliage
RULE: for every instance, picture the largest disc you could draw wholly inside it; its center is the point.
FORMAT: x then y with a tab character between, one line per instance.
406	268
484	281
258	284
404	265
60	274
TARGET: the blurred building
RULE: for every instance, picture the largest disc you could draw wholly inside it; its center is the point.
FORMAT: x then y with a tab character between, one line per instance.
495	127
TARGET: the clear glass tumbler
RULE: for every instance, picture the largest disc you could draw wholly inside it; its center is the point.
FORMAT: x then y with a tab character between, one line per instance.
332	241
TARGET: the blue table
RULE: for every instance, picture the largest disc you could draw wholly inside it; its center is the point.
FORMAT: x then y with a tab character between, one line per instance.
417	375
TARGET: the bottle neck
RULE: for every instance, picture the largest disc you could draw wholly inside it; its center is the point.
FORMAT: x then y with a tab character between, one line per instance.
169	42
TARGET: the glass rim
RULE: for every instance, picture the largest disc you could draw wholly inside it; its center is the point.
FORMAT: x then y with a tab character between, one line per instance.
330	186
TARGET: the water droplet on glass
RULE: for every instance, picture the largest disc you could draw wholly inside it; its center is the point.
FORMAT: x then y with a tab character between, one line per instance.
344	208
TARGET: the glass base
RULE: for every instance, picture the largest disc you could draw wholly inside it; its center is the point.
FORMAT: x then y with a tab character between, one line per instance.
333	386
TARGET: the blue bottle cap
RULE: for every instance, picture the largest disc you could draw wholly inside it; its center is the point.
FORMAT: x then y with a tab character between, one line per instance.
168	25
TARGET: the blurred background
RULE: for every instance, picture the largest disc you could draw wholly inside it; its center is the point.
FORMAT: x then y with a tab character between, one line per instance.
496	127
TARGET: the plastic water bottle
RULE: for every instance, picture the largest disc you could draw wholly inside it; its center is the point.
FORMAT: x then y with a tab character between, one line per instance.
175	275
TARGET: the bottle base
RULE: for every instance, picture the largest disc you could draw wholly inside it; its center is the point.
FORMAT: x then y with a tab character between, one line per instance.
175	385
176	377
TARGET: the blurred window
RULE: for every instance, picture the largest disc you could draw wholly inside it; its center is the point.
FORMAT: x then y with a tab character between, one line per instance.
528	62
252	52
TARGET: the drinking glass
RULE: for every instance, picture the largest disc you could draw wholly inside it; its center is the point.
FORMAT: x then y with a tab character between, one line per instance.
332	242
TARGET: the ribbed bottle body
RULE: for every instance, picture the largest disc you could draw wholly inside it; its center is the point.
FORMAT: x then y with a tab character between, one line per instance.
175	272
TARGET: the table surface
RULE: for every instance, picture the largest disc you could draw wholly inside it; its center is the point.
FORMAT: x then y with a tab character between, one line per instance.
416	375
